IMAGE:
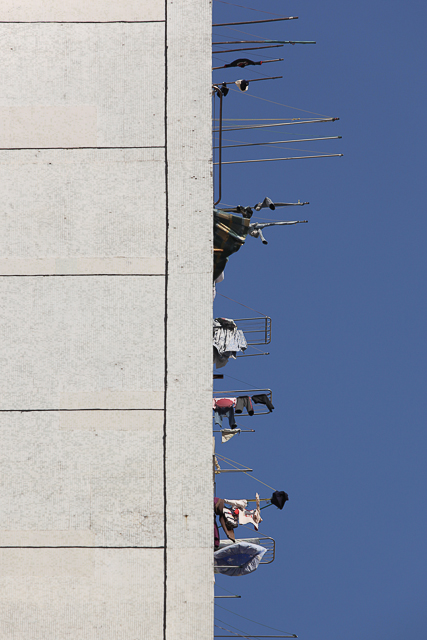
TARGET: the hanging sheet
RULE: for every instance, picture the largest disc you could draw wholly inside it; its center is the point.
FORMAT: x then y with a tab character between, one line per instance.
230	233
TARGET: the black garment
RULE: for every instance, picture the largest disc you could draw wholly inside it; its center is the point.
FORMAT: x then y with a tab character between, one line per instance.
241	62
279	498
244	402
262	398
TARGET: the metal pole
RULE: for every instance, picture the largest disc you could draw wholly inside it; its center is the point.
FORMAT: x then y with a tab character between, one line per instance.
262	144
230	24
331	155
227	66
265	41
240	431
270	46
256	80
221	97
257	636
227	596
232	470
279	124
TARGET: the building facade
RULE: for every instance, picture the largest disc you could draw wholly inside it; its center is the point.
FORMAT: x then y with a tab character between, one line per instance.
106	315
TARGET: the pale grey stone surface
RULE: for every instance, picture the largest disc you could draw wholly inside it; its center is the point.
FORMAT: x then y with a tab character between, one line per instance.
95	474
189	606
97	10
76	85
81	342
51	214
81	594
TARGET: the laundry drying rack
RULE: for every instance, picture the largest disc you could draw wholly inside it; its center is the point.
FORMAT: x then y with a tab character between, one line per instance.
259	409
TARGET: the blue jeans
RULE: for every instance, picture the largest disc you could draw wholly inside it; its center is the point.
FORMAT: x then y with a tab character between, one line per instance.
224	411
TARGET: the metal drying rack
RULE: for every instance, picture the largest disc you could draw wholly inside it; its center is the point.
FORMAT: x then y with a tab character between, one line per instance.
234	393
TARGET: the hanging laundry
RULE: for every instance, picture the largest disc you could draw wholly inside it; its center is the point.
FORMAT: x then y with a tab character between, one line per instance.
242	62
231	517
252	516
255	228
227	341
230	233
246	212
278	499
221	91
242	84
219	511
238	559
267	203
227	434
217	281
239	504
263	398
244	402
224	407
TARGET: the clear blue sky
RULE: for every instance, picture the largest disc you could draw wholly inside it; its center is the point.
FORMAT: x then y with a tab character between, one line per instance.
346	293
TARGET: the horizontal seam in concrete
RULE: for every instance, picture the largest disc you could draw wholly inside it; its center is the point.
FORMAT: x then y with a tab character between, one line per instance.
154	146
80	21
72	547
41	410
78	275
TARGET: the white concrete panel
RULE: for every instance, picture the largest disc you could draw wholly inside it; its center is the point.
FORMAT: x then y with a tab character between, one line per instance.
189	383
86	342
80	594
81	10
189	612
82	211
63	70
55	126
189	459
189	114
84	479
190	208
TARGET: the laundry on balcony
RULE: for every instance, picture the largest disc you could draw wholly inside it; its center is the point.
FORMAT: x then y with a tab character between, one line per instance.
224	407
228	340
230	233
255	401
227	434
264	541
263	398
244	402
238	559
224	518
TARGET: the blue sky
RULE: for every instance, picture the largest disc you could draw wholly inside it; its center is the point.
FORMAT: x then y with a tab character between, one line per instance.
346	293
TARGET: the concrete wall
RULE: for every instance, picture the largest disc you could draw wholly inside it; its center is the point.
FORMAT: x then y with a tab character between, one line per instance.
105	320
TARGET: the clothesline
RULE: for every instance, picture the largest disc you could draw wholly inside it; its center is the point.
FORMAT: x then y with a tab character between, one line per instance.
249	620
243	305
233	463
278	124
241	6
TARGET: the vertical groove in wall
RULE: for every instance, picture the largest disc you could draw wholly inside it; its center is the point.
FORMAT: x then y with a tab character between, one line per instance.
165	549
